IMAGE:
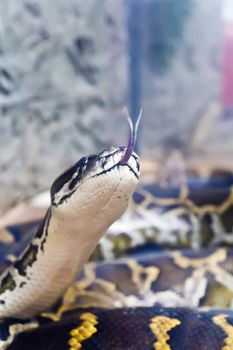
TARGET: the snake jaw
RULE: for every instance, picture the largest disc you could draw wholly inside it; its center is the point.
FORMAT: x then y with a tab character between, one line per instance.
132	138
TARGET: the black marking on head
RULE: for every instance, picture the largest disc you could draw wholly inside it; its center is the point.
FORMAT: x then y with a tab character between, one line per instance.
111	152
137	162
75	180
61	180
2	302
67	176
132	171
83	166
81	163
28	259
114	167
107	170
64	198
7	283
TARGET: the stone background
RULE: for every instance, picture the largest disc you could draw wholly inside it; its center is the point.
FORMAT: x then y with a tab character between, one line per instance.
52	93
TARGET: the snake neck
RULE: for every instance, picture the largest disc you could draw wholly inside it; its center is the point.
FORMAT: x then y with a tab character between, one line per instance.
51	262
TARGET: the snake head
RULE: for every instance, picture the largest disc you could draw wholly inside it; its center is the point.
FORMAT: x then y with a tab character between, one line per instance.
111	165
99	183
104	165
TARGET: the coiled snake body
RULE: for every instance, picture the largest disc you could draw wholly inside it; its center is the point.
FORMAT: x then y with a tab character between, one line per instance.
151	299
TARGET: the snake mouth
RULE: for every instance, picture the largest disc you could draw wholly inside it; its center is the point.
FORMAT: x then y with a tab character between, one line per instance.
136	173
117	166
132	170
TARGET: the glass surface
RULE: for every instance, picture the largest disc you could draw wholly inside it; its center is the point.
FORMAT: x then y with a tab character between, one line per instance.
67	71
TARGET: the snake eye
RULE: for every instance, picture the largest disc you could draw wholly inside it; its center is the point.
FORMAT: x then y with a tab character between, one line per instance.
82	162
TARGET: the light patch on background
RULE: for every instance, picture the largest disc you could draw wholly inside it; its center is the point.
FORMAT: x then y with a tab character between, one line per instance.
227	10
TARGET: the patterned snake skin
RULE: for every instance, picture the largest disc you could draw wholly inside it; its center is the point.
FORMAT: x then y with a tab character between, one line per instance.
161	278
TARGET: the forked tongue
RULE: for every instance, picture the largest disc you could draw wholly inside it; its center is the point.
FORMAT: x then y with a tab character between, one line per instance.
132	136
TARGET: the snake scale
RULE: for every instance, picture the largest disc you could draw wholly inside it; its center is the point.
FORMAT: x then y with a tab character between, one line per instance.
138	291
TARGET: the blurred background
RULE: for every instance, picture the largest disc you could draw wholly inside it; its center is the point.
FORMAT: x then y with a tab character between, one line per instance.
67	69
